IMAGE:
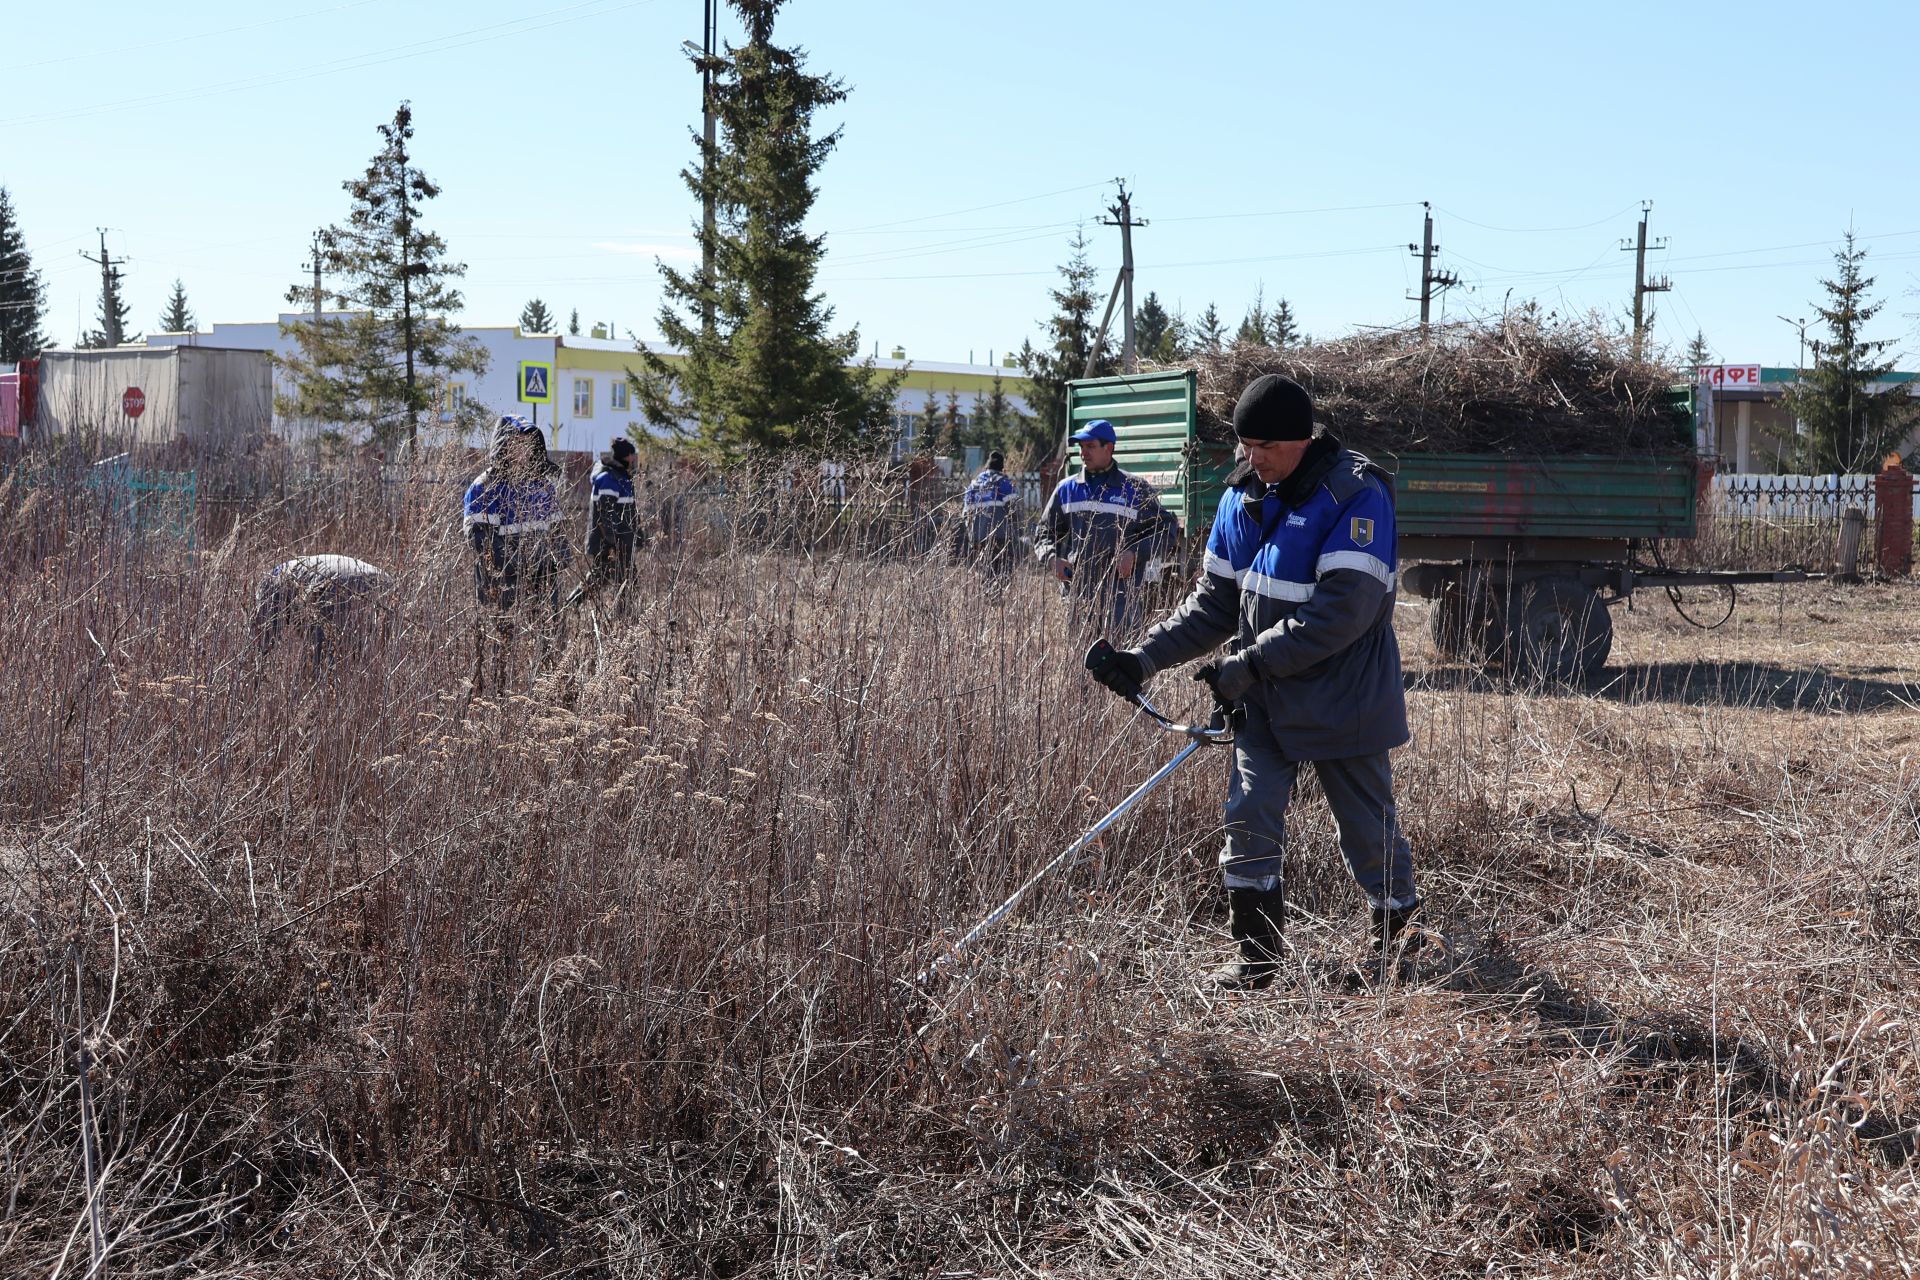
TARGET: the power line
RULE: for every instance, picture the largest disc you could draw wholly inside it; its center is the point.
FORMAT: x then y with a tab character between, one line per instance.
195	35
1286	213
954	213
1158	266
352	62
1523	231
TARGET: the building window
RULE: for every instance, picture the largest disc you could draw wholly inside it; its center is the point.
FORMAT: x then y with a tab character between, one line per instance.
453	400
619	397
583	397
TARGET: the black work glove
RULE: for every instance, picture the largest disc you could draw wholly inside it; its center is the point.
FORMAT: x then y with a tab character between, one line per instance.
1231	678
1122	670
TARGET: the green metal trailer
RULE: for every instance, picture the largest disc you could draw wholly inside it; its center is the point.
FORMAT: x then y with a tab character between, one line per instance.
1520	556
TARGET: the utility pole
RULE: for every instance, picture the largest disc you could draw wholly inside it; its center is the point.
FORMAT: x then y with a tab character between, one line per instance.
316	278
1122	286
709	37
1123	218
110	332
1432	282
1641	285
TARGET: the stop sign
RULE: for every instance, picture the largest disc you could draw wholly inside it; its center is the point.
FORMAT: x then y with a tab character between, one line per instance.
133	402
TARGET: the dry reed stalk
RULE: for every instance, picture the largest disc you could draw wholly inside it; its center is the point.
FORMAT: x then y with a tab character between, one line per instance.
598	975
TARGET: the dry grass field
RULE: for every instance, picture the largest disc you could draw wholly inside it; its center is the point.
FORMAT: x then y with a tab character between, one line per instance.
347	972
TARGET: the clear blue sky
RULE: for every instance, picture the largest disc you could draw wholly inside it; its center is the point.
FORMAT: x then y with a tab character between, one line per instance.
1271	145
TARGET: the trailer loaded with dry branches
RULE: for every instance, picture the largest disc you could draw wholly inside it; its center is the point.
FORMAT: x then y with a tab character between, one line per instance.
1538	466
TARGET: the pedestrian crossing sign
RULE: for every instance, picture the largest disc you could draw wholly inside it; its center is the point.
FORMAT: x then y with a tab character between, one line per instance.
536	382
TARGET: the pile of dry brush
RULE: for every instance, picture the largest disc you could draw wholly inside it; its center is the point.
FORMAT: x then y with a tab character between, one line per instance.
346	972
1524	383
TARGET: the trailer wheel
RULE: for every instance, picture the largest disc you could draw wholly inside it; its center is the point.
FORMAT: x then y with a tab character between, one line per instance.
1463	620
1558	631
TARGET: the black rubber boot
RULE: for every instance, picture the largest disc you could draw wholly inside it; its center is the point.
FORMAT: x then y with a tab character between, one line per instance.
1256	917
1389	923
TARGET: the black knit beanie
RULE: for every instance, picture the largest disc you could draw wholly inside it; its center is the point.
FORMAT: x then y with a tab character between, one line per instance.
1273	408
623	448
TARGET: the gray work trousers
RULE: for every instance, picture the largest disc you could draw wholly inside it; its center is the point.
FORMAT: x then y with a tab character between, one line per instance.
1359	790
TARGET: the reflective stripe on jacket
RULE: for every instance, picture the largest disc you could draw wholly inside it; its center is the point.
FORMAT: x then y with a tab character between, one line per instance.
989	503
1090	518
1302	575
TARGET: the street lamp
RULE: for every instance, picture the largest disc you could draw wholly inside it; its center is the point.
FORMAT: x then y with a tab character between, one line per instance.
1801	326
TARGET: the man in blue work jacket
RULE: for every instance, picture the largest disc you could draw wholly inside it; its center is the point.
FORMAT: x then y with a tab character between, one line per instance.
1093	529
1299	584
613	526
990	505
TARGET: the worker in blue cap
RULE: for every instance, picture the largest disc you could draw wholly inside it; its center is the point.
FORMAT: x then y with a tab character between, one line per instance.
1093	531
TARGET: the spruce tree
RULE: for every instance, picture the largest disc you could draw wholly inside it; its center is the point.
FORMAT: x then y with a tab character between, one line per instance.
178	317
1152	330
928	439
113	311
1209	331
535	318
953	437
1849	424
1064	357
23	293
573	324
383	362
992	414
1282	329
1178	343
1253	328
1699	354
768	369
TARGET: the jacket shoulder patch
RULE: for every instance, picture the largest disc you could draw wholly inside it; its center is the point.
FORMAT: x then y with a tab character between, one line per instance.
1361	529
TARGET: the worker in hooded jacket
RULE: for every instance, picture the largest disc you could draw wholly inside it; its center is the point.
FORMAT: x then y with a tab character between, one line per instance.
511	520
613	526
1298	583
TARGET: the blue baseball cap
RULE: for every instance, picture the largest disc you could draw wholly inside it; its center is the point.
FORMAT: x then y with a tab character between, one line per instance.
1099	429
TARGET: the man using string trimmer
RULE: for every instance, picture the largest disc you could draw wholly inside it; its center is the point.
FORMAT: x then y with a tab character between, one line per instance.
1299	584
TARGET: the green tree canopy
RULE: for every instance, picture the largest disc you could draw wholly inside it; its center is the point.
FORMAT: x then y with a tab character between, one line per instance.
1282	329
1209	331
769	370
178	317
23	293
1850	416
535	318
382	363
1063	357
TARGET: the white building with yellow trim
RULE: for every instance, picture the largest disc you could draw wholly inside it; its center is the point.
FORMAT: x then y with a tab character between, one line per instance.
592	400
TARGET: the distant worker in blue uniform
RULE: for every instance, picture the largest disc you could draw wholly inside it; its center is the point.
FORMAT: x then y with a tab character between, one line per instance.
1093	532
613	526
990	507
1298	583
511	521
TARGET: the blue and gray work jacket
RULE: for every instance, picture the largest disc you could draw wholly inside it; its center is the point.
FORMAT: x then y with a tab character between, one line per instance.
1090	519
1301	575
989	503
510	521
611	522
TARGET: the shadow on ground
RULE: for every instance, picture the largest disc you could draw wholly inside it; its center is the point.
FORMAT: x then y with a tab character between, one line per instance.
1701	684
1653	1042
